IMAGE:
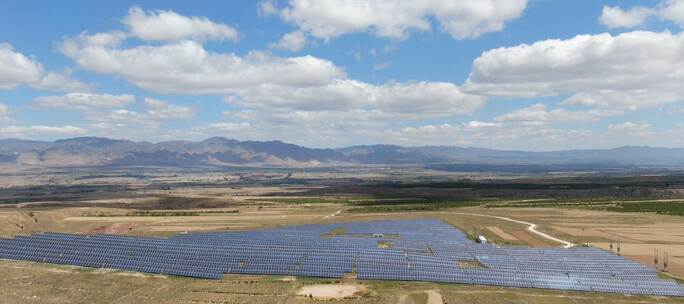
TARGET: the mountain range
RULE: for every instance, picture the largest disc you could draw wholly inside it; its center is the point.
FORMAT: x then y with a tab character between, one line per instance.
218	151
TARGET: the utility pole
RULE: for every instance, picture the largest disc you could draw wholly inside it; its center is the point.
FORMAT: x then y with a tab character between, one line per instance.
666	260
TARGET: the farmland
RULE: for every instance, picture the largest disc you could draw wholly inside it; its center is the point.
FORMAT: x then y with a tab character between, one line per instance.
569	213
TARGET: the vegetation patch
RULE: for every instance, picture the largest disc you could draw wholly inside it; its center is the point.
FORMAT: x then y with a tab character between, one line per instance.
655	206
668	208
162	213
428	206
471	264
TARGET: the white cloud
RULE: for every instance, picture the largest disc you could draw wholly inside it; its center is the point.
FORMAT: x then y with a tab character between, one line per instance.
539	114
62	82
335	95
266	9
520	136
122	117
160	110
186	67
109	110
17	69
327	19
272	96
170	26
261	80
230	126
293	42
673	10
615	17
477	125
490	134
157	112
425	99
631	129
321	128
41	130
411	100
628	71
84	101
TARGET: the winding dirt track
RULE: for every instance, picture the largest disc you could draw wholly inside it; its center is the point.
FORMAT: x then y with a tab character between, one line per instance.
531	227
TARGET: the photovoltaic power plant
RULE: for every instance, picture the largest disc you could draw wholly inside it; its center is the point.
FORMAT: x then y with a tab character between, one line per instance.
409	250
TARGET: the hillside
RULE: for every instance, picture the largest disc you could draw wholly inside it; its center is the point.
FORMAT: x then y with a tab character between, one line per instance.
94	151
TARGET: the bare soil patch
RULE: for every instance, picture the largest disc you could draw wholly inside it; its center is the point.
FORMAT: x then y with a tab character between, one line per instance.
502	234
113	229
331	291
530	240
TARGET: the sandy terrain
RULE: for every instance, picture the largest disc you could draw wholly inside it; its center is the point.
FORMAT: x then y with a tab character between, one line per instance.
331	291
531	240
422	297
496	230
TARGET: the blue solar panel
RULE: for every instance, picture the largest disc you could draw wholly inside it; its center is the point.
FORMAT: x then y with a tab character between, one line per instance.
425	250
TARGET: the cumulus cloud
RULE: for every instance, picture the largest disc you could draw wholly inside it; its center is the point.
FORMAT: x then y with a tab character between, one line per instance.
187	67
63	82
109	110
628	71
122	117
293	42
169	26
413	99
157	112
17	69
673	10
260	80
539	114
431	99
84	101
327	19
266	9
272	96
615	17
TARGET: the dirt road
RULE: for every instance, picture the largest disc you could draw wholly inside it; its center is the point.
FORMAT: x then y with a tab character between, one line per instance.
531	227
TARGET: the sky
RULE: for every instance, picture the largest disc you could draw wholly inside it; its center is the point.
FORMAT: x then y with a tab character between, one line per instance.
506	74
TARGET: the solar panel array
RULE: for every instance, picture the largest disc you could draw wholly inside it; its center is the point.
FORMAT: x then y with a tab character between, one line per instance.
412	250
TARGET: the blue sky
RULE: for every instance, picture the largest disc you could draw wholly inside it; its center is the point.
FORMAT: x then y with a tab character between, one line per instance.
506	74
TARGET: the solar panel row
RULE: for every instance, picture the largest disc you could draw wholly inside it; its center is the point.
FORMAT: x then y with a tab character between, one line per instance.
422	250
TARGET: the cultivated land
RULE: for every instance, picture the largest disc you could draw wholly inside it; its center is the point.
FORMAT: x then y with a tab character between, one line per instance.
163	203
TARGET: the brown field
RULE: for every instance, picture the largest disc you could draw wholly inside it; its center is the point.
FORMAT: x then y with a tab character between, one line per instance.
502	234
23	282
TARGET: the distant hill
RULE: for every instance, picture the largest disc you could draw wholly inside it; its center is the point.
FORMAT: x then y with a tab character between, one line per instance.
218	151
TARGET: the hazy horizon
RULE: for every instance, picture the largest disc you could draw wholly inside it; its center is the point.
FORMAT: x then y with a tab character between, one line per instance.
324	147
